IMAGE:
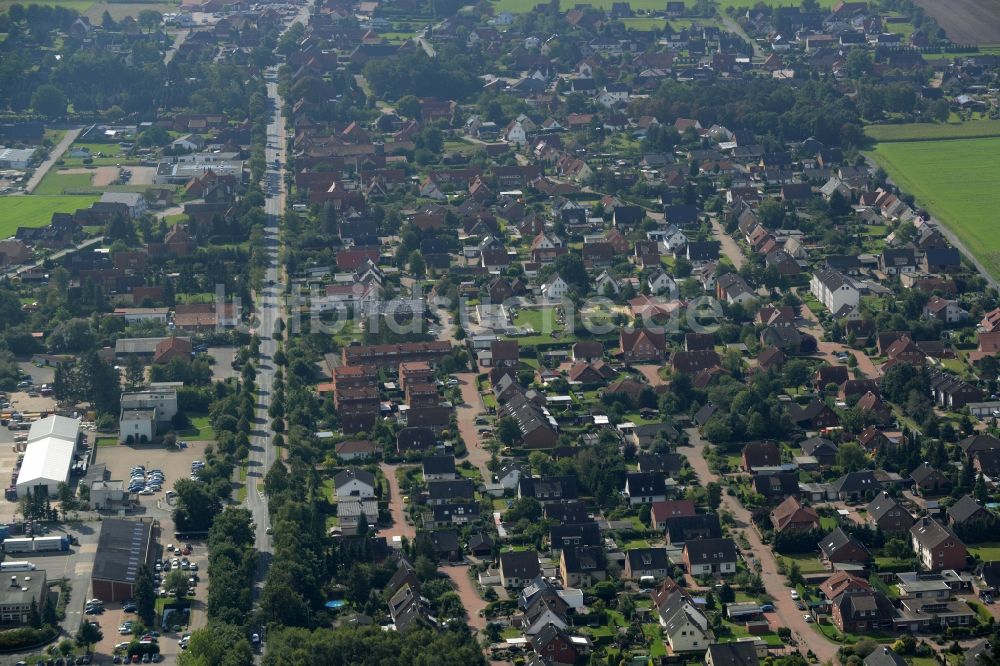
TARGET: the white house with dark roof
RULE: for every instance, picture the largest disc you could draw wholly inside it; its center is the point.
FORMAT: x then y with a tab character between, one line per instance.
834	289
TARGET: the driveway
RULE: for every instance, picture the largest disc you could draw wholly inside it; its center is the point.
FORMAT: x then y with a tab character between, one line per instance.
774	583
399	527
459	575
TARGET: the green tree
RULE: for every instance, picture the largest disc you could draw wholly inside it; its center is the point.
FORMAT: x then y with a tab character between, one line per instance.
176	582
88	634
417	265
145	596
508	431
49	101
851	457
135	372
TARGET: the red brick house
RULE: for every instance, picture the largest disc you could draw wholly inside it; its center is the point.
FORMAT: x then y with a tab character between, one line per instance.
642	345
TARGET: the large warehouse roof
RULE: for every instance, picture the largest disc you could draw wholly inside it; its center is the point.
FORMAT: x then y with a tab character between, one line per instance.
47	461
55	426
122	548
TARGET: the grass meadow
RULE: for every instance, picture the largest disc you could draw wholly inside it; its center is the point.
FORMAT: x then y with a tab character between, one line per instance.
974	129
956	181
36	210
522	6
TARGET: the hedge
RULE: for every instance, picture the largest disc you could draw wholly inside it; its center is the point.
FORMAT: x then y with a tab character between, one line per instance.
25	637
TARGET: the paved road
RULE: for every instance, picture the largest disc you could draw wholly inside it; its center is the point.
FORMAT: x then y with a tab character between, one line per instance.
399	527
268	304
730	248
459	575
774	583
178	40
54	155
466	416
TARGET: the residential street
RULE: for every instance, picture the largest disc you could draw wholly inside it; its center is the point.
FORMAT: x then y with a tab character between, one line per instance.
730	247
459	575
788	615
396	507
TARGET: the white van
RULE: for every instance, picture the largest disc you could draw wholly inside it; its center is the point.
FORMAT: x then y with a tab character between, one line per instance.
17	566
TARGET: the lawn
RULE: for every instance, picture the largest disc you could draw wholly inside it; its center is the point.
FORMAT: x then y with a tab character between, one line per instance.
120	10
543	321
974	129
652	634
36	210
956	181
199	431
808	562
988	551
63	183
107	441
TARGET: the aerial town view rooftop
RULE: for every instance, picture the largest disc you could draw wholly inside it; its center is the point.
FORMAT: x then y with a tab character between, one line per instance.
406	332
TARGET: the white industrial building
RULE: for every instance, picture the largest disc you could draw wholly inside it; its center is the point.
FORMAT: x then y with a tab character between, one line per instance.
49	455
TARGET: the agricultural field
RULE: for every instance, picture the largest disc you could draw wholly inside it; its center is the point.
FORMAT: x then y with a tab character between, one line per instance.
974	129
967	21
36	210
64	183
79	5
522	6
956	181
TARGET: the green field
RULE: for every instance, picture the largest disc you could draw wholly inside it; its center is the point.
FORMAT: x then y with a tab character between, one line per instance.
36	210
79	5
521	6
975	129
58	183
956	181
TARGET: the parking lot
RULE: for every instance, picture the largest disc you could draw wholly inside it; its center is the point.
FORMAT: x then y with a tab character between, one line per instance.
175	465
222	369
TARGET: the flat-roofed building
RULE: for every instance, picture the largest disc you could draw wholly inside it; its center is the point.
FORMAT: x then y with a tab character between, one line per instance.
18	593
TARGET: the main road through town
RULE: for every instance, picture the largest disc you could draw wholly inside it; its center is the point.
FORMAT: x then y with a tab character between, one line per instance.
268	306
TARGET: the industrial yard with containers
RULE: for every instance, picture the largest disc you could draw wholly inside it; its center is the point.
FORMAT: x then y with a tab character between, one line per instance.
98	549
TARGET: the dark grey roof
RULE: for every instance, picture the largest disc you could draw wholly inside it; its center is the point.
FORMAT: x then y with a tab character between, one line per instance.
348	475
702	551
964	509
645	483
439	465
122	548
884	656
836	540
857	482
733	654
647	558
679	527
520	563
450	489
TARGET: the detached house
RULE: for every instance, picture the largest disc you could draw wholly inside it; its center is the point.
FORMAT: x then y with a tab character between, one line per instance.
706	557
642	345
937	547
646	562
888	515
518	568
645	488
790	516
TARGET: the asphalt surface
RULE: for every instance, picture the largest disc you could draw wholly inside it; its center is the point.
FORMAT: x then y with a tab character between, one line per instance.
268	307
